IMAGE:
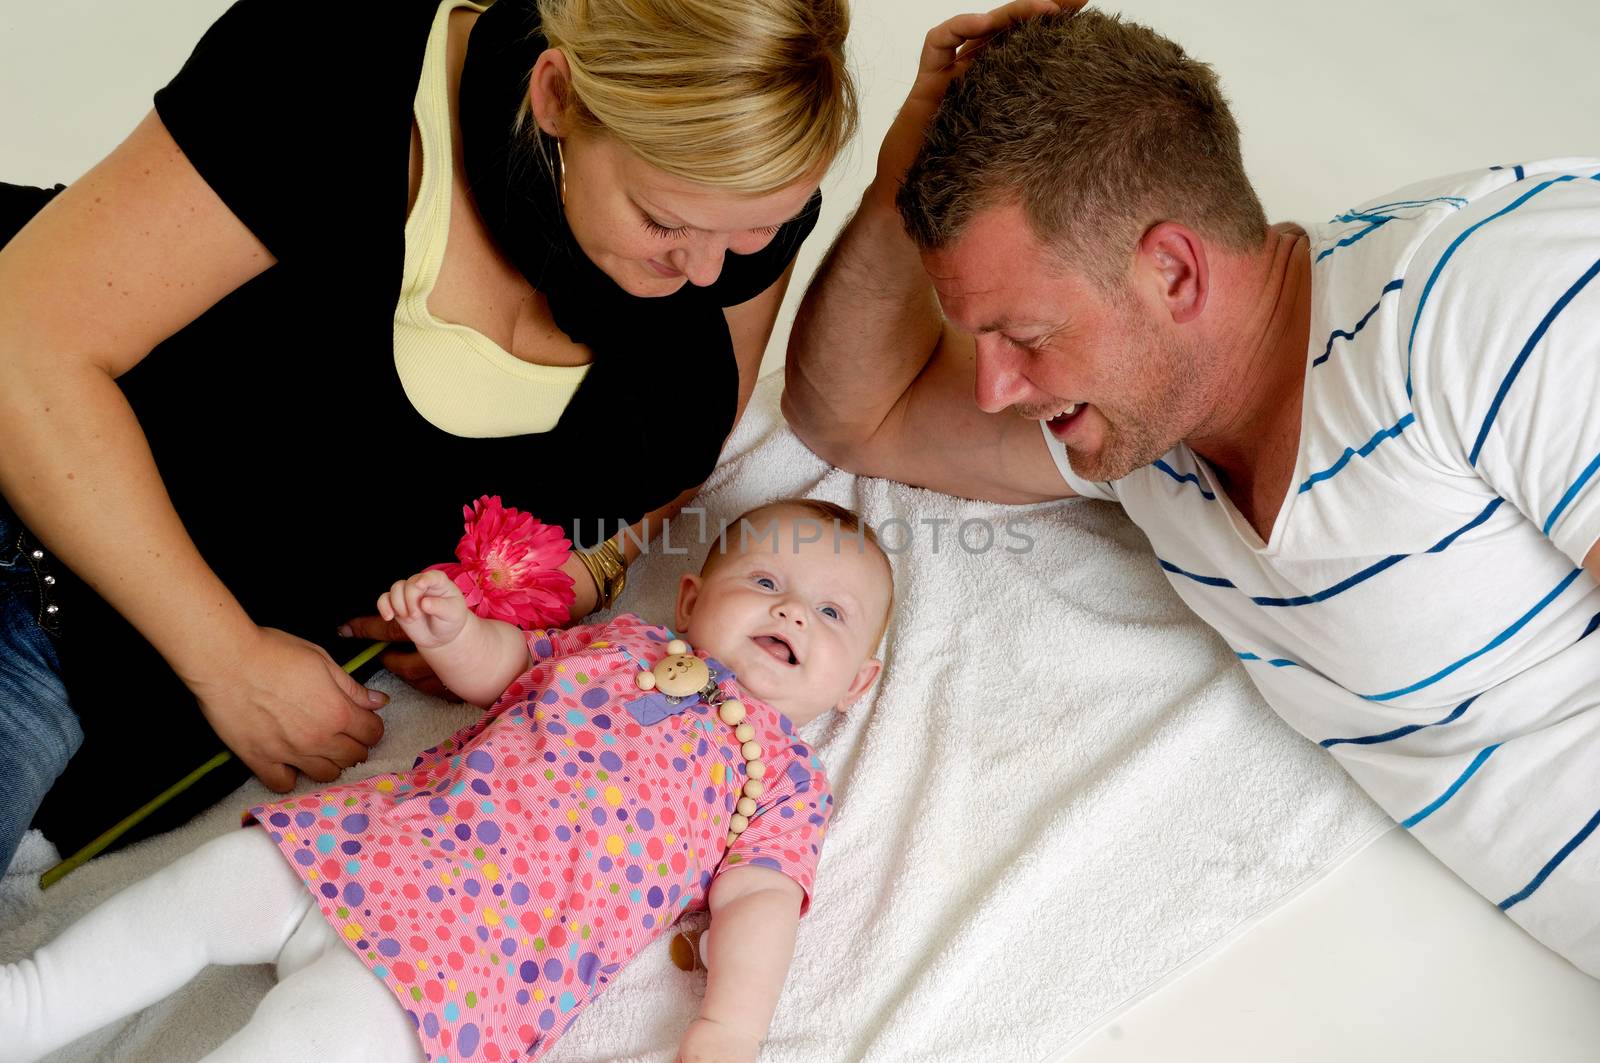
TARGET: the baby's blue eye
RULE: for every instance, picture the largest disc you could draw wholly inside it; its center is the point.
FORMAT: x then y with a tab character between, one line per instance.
830	612
766	582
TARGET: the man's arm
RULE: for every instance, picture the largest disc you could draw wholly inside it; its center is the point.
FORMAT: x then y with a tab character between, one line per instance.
876	381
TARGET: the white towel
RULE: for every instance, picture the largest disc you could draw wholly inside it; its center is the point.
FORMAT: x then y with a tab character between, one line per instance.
1062	790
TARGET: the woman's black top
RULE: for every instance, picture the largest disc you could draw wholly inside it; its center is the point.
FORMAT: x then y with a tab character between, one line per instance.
278	422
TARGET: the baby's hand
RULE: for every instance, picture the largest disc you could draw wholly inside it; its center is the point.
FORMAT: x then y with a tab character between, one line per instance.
706	1041
428	606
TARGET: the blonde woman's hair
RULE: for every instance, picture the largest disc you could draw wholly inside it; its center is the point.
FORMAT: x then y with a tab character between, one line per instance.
746	95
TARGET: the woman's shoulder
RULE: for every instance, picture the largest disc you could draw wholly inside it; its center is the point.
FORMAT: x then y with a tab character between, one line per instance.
270	37
282	107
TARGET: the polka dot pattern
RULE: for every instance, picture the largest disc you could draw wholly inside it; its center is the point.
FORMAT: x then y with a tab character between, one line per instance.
503	881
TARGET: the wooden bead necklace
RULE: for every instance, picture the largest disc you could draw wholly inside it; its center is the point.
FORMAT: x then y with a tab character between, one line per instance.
680	675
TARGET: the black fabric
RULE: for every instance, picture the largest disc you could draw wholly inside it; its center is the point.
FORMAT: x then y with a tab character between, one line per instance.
283	435
18	204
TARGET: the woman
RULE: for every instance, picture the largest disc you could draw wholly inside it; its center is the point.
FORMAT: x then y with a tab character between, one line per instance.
346	258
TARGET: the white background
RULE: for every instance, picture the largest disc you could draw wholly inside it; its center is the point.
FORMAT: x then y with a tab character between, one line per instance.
1339	101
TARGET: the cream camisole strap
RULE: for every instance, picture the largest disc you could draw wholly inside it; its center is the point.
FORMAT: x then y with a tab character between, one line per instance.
455	377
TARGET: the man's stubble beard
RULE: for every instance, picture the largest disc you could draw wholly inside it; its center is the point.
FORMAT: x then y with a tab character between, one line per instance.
1151	423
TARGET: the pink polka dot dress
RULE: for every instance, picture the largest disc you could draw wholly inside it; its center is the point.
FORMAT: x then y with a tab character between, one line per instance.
502	882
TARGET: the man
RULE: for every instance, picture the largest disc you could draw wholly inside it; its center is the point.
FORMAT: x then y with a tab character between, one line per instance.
1362	452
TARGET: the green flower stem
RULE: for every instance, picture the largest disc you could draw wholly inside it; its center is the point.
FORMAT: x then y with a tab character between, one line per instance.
143	812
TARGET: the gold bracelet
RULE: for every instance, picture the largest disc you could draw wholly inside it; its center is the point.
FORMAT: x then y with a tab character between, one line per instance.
609	570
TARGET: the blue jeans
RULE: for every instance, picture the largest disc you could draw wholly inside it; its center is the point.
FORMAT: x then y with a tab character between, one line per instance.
39	732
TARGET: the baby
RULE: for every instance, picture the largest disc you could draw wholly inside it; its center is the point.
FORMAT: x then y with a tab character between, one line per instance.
471	907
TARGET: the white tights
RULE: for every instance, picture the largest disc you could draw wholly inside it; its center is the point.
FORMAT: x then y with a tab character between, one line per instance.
232	901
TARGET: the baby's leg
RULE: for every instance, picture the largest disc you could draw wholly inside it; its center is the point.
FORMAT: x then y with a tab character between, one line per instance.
234	900
326	1007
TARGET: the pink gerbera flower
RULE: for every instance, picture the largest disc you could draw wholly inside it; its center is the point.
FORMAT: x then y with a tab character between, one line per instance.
508	565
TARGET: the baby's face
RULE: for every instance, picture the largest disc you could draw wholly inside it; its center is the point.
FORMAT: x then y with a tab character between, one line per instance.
797	624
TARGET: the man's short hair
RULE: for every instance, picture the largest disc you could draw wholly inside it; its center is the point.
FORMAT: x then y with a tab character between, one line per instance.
1099	129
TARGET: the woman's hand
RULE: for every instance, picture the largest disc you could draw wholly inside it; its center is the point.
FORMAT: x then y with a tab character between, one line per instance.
947	51
401	658
706	1041
284	704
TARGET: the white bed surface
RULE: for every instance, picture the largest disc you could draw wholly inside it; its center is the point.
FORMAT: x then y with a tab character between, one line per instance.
1063	790
1388	958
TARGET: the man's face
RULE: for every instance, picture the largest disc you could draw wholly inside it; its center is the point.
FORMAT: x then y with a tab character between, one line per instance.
1110	376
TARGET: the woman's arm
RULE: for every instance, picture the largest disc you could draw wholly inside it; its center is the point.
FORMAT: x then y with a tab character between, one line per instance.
750	328
755	912
125	257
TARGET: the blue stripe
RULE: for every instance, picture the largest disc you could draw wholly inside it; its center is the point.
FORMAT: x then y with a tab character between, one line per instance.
1438	268
1303	599
1209	581
1399	732
1366	448
1438	802
1522	357
1444	544
1338	588
1376	221
1276	662
1594	622
1555	861
1456	201
1497	640
1517	170
1187	477
1571	493
1392	286
1349	581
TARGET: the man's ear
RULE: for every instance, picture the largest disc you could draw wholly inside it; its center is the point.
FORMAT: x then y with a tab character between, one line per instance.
1173	256
688	598
550	91
865	676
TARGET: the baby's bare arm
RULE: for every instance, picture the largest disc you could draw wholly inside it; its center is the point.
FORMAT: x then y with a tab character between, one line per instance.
475	657
754	914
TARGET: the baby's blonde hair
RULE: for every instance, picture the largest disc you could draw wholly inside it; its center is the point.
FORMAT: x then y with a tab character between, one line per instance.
746	95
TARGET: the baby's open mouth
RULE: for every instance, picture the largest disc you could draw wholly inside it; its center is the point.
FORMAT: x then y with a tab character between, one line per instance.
777	647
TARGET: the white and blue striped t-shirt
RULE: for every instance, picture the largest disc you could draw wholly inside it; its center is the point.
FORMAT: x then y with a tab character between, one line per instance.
1420	610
